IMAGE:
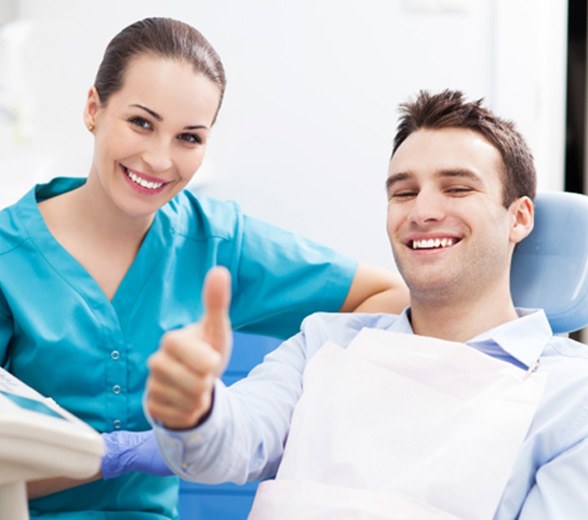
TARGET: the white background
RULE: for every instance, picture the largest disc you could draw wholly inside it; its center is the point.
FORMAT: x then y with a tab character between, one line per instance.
304	136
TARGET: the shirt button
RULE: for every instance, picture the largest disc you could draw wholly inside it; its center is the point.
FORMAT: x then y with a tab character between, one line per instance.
115	354
116	389
117	424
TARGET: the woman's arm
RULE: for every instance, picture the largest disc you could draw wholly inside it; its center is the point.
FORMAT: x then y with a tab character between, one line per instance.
375	289
125	452
47	486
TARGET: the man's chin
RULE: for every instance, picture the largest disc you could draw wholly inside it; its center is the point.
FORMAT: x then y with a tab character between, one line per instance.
433	291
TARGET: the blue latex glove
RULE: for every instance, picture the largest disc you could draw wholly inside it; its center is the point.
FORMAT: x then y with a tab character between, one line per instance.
132	451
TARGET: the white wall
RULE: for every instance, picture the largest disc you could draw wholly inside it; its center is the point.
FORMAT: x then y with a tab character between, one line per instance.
304	137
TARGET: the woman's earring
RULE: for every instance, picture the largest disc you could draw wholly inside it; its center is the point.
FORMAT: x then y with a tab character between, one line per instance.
91	127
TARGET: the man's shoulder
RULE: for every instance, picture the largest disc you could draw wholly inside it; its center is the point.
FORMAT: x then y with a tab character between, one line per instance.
563	353
341	328
567	348
566	363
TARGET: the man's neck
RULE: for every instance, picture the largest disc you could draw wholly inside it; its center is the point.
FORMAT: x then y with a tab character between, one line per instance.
462	320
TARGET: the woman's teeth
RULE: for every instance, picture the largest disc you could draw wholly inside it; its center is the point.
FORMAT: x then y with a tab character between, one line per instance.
142	182
432	243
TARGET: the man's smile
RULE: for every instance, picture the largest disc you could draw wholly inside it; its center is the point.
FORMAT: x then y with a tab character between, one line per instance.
432	243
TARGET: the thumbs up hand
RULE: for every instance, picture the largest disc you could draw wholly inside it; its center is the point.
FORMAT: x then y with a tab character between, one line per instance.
184	369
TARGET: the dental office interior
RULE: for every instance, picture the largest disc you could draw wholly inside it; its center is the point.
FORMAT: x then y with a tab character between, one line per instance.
305	132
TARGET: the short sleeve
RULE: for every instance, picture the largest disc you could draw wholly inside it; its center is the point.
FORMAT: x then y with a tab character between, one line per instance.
282	278
6	331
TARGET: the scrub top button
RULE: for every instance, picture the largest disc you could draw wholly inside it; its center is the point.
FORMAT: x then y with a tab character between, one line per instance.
115	354
116	389
117	424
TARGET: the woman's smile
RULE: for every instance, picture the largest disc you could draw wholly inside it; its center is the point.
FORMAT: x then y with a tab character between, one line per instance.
143	183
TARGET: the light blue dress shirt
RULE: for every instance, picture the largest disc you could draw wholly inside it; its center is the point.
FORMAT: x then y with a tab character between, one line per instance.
244	436
61	335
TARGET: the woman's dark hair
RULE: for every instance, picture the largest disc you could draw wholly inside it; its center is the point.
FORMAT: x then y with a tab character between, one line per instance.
163	37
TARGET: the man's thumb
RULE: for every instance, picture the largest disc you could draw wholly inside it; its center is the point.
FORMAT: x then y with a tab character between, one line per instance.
215	321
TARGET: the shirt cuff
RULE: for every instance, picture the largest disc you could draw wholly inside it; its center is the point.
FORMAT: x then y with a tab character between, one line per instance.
181	449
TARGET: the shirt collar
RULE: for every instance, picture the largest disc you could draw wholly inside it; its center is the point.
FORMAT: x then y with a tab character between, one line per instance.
402	324
523	339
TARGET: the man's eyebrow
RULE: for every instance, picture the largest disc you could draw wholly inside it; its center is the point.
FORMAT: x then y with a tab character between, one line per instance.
159	118
450	172
397	177
459	172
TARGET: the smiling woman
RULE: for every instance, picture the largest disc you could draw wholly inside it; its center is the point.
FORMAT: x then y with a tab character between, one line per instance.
116	259
155	137
150	139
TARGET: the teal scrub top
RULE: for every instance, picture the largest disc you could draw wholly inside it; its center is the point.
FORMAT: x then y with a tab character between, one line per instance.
61	335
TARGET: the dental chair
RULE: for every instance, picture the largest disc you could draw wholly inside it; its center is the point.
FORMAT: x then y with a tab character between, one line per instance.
549	271
550	267
227	501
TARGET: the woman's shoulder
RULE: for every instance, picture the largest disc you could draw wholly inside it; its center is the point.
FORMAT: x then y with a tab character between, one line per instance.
202	217
12	230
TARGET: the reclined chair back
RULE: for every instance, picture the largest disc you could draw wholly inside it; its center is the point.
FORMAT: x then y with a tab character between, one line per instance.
550	267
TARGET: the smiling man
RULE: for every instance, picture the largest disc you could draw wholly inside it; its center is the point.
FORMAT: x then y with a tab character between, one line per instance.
461	407
453	231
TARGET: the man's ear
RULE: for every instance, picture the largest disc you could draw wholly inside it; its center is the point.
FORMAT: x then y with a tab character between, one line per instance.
91	108
523	217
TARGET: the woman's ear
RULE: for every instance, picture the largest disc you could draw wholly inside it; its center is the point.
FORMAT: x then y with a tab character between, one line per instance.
523	217
91	109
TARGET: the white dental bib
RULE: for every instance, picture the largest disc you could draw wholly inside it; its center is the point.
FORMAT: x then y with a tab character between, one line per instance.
398	426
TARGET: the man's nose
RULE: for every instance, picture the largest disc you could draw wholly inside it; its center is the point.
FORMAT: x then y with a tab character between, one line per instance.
427	206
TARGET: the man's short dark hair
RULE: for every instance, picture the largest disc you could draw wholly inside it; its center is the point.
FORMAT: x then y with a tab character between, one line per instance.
450	109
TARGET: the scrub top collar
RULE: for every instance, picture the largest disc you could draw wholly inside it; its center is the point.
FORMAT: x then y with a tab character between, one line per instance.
71	270
523	340
55	187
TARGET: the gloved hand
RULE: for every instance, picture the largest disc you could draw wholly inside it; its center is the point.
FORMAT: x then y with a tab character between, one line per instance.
132	451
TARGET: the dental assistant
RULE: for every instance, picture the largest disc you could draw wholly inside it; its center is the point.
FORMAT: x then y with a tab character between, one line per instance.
93	271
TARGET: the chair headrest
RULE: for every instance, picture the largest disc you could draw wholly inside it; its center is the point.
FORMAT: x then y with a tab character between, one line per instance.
550	267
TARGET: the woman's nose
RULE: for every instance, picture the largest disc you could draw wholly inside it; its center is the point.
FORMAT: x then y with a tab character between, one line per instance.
158	156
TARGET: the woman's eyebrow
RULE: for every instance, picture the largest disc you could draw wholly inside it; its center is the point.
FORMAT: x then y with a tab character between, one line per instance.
196	127
153	114
157	117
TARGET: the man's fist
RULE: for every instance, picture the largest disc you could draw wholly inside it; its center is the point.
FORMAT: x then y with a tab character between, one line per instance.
183	371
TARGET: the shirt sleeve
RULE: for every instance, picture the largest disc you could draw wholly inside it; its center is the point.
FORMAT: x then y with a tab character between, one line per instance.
559	490
282	278
243	437
6	331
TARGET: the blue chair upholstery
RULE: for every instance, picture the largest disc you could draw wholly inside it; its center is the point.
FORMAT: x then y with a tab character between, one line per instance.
550	267
227	501
549	270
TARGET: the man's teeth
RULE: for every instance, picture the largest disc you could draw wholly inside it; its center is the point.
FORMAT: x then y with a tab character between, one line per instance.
142	182
432	243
